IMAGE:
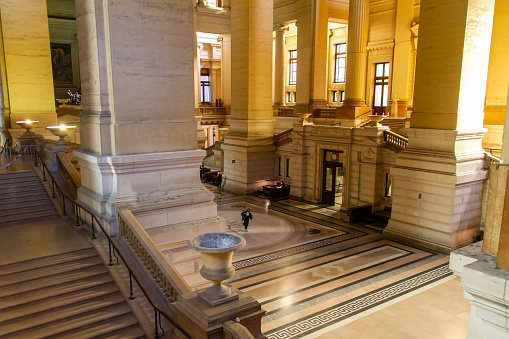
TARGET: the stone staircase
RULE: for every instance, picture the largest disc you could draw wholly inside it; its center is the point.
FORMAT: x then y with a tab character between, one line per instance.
23	198
68	295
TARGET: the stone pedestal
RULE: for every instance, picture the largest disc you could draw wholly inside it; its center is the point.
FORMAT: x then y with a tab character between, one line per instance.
487	288
201	320
50	151
161	189
28	139
248	155
437	187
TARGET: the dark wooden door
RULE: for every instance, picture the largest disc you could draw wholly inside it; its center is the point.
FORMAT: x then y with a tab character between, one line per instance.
329	184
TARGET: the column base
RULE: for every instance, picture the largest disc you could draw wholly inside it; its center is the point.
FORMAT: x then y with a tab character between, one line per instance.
160	189
437	189
248	155
201	320
486	288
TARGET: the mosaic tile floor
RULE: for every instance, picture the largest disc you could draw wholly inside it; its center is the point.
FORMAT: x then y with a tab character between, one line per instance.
316	275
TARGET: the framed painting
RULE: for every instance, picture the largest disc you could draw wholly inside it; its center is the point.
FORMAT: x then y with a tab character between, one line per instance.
61	61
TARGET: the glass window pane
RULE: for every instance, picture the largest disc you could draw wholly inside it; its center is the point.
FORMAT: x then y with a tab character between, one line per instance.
386	70
342	48
328	179
385	95
378	96
379	70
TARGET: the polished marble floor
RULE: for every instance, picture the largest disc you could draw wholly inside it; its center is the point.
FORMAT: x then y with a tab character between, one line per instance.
318	276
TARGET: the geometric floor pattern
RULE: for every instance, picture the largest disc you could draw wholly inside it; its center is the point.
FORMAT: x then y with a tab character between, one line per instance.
313	272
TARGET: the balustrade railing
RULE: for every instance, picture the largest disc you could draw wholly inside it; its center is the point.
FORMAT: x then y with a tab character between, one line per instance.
285	112
395	141
363	119
329	113
82	213
170	281
212	110
283	138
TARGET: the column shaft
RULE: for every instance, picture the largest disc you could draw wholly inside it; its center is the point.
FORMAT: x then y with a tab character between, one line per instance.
438	178
356	54
248	146
279	67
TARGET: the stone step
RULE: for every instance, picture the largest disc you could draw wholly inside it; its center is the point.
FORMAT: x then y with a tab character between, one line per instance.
29	216
122	328
16	199
49	294
66	319
26	202
53	281
17	175
49	271
46	261
21	189
26	209
35	308
6	196
7	184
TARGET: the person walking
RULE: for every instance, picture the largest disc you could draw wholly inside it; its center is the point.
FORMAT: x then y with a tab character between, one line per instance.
219	180
246	215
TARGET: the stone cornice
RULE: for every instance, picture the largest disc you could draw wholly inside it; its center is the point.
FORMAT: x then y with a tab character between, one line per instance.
156	162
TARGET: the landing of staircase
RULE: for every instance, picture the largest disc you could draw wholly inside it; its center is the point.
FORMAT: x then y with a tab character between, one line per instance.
40	238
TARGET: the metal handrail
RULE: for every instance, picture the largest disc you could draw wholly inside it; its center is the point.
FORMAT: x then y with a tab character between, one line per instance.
111	244
23	151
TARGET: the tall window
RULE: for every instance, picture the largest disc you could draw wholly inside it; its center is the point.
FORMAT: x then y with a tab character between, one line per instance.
292	68
204	87
381	95
340	62
287	172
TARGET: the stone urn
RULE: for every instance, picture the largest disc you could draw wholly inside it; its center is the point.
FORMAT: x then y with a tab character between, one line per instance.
376	118
63	102
28	125
217	251
61	131
303	116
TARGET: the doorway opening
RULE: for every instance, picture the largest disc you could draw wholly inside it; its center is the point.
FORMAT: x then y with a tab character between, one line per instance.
333	177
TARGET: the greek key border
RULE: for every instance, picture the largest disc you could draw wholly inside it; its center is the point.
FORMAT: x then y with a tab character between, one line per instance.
360	304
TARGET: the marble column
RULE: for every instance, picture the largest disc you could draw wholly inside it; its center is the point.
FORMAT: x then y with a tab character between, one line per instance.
26	55
356	54
312	42
249	146
139	140
226	72
403	56
354	104
279	66
438	178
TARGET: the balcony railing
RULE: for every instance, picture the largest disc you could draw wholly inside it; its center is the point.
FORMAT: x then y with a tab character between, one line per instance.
283	138
285	112
212	111
395	141
326	113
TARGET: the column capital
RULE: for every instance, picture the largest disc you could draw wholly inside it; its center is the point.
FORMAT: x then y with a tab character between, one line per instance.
278	27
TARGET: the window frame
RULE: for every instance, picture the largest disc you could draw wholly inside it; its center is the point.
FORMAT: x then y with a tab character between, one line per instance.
292	67
338	55
383	82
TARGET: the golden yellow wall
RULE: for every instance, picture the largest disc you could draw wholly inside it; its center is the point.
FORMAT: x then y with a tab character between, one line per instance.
28	61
